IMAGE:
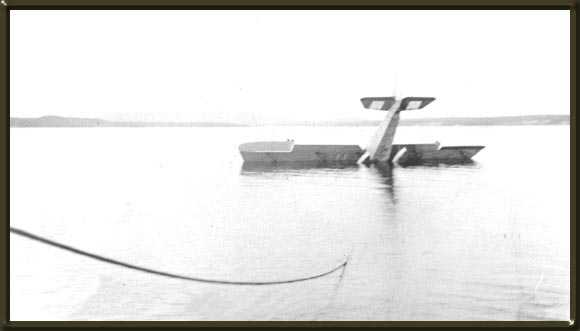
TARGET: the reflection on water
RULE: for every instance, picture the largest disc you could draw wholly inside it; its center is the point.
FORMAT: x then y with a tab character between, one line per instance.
256	168
435	163
484	241
383	173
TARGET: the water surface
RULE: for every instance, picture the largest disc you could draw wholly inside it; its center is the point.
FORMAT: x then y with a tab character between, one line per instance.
486	241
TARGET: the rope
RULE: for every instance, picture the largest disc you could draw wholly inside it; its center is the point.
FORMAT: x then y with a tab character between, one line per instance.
167	274
334	293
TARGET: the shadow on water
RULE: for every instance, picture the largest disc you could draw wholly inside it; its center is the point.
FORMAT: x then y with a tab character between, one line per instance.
437	164
386	170
295	169
384	175
380	174
258	168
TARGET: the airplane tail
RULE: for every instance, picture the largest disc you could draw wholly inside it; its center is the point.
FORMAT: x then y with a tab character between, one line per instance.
386	103
379	148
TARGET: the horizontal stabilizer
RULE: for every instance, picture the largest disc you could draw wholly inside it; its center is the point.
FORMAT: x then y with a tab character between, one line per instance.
410	103
386	103
378	103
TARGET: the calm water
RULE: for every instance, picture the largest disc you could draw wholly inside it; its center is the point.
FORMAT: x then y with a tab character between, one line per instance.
487	241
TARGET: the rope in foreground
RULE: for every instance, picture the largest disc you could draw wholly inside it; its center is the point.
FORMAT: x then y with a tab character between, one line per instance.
166	274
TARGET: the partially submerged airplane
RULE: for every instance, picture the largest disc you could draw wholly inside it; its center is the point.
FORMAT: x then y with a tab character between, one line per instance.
380	149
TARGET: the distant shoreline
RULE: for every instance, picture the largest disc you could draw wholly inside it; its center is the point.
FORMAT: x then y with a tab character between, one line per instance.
72	122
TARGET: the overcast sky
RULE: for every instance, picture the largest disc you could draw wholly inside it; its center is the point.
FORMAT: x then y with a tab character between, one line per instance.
189	65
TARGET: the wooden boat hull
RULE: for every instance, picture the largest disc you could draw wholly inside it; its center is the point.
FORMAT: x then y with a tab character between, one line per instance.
431	154
287	152
380	149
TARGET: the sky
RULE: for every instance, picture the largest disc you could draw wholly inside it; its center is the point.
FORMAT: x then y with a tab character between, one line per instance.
270	65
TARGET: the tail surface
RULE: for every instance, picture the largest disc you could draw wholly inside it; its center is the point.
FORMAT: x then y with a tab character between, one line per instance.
379	148
386	103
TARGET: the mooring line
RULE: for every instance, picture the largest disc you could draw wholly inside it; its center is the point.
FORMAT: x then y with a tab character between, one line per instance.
167	274
334	293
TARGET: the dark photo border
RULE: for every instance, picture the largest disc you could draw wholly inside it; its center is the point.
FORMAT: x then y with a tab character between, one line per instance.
7	6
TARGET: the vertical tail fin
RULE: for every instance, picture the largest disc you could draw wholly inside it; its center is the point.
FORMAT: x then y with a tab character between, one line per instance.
379	148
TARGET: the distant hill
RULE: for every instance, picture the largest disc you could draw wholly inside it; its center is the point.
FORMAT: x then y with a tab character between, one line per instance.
57	121
451	121
502	120
72	122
